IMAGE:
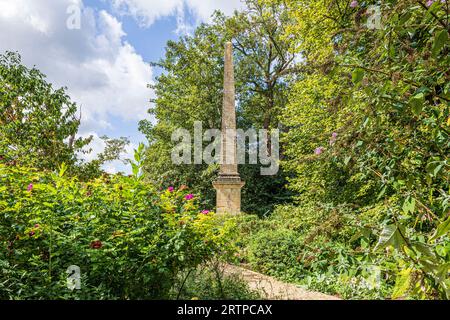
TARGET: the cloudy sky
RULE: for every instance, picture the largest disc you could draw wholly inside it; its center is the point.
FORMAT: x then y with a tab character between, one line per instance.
102	58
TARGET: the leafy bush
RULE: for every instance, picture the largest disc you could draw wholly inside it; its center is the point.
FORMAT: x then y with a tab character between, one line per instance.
319	247
331	249
369	127
276	253
129	241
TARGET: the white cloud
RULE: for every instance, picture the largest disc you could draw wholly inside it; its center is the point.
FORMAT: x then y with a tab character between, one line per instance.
103	73
205	8
148	11
97	146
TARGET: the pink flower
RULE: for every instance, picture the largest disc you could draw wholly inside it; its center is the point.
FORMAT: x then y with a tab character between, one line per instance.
205	211
30	187
170	189
333	138
36	225
429	3
353	4
32	233
189	196
318	151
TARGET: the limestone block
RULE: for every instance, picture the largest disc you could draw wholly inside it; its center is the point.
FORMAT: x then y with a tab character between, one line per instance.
228	199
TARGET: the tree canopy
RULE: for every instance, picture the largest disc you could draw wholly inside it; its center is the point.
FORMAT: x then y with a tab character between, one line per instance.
38	124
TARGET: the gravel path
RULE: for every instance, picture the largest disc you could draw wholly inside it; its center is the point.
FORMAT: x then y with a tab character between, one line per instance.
272	289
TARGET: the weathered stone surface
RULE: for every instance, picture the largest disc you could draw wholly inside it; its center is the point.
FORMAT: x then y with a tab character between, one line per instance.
228	158
228	198
228	185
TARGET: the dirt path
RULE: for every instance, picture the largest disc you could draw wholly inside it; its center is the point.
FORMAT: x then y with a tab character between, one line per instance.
273	289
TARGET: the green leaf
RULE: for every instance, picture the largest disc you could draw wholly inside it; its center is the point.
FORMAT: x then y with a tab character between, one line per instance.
362	232
442	229
137	156
409	205
439	42
390	236
62	169
135	168
382	192
402	283
347	160
141	147
441	251
357	75
438	271
416	102
404	18
425	251
434	167
356	236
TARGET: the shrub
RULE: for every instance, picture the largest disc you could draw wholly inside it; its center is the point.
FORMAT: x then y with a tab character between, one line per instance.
321	246
276	253
129	241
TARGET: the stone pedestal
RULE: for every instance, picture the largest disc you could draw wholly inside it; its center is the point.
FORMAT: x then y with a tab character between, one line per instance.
228	198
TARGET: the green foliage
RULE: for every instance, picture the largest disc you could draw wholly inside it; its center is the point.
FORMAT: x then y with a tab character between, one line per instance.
368	127
326	249
37	123
275	252
365	121
129	241
191	89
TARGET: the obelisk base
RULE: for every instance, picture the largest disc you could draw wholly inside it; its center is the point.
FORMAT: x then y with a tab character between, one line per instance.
228	199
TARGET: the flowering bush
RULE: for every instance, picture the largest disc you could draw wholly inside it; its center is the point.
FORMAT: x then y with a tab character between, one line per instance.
129	241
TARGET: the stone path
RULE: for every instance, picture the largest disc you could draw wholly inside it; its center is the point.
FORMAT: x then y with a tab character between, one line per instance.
272	289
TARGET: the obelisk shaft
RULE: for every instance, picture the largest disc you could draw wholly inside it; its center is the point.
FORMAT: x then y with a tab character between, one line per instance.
228	185
228	152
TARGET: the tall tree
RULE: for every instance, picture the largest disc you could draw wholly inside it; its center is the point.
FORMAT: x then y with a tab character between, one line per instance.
191	90
265	60
37	123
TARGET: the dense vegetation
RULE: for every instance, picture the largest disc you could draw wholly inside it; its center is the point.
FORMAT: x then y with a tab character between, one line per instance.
191	87
364	111
39	124
129	241
360	207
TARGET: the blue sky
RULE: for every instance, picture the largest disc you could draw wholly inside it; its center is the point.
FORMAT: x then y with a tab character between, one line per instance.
104	62
149	42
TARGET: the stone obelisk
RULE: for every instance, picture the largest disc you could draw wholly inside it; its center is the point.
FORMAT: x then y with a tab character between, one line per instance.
228	185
